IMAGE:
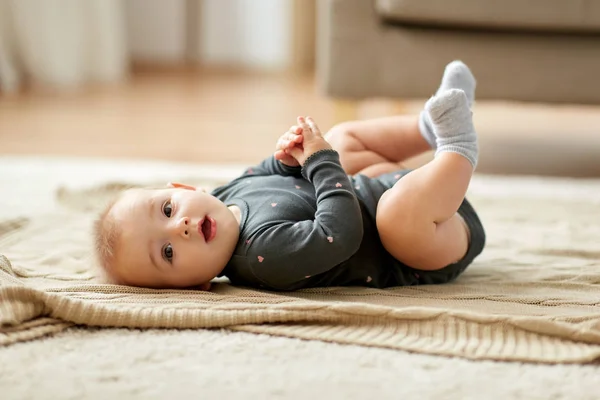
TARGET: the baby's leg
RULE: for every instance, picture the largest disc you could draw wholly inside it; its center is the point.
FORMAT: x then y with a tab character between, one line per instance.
456	76
417	219
377	146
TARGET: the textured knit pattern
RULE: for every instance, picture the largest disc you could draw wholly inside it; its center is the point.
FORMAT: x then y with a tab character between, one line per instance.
532	295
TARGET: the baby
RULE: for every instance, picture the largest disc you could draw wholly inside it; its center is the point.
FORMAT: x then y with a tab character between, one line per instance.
335	212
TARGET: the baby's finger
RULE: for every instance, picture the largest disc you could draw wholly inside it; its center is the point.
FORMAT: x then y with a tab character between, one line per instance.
302	123
306	130
296	152
313	126
295	129
293	138
282	144
285	159
279	155
289	140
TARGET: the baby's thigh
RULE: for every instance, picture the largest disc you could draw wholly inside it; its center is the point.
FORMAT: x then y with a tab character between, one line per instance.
415	240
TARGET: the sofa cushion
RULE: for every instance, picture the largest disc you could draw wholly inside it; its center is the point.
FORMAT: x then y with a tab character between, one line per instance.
530	15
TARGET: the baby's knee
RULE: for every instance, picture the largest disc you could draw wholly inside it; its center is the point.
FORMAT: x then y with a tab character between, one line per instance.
342	138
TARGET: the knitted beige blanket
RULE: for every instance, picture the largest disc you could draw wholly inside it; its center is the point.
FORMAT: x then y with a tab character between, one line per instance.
533	295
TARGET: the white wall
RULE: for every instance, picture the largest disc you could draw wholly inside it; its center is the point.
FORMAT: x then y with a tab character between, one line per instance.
62	43
156	30
246	33
238	33
68	42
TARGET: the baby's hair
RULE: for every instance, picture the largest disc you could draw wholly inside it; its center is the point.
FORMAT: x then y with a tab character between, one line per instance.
107	234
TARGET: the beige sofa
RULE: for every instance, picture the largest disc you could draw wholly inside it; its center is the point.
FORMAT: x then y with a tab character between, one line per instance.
534	50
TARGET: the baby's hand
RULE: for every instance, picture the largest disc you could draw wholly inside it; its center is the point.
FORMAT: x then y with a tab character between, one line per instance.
292	138
312	142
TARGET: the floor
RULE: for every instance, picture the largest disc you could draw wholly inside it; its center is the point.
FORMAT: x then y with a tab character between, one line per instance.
215	116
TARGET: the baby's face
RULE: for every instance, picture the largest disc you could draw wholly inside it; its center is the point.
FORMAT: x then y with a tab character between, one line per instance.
173	237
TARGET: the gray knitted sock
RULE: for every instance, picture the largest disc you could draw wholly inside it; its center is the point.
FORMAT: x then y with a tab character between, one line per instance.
453	124
456	76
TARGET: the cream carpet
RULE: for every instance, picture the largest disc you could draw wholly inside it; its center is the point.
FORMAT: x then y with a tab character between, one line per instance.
532	295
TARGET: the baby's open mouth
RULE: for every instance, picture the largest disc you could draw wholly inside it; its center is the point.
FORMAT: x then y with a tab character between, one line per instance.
207	227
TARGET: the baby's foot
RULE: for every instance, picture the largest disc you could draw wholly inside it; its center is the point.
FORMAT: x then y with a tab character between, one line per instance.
452	124
456	76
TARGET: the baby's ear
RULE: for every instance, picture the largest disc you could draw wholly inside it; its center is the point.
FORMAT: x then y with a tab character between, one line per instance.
177	185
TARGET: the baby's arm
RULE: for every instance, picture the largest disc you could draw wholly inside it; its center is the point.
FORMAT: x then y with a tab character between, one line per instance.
270	166
289	252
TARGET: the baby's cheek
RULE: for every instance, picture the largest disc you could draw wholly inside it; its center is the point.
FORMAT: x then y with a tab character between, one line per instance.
187	260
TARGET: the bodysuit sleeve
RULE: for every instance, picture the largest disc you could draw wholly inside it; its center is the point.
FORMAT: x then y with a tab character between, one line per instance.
291	251
271	166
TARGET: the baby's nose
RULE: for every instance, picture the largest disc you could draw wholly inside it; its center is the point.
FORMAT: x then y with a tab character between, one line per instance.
182	227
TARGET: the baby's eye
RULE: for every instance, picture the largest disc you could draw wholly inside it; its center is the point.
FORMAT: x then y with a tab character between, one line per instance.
167	253
167	209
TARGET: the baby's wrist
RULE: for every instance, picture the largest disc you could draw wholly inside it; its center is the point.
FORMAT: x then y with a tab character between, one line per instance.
314	157
315	151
